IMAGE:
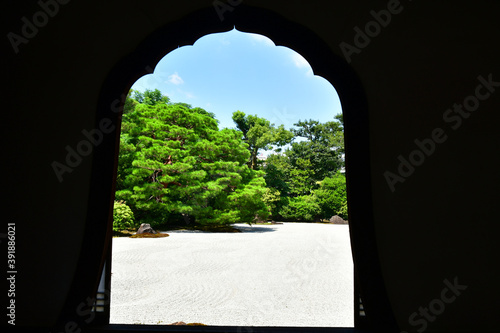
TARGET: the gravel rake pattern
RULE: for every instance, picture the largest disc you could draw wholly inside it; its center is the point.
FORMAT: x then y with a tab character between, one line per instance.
295	274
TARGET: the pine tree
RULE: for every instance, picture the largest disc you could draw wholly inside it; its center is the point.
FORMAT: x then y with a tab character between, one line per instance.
174	161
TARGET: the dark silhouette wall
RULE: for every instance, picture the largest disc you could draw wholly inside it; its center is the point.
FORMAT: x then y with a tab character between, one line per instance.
431	78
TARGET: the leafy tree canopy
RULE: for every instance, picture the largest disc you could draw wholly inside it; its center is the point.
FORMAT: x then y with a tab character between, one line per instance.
259	133
150	97
324	148
176	165
175	160
331	196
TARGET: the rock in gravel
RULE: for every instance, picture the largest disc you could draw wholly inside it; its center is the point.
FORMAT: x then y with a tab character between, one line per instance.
179	323
337	220
145	228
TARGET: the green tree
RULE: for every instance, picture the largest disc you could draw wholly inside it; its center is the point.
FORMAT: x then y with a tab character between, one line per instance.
303	208
329	133
331	196
182	165
272	199
301	177
150	97
340	118
259	133
130	103
299	172
127	145
277	169
324	148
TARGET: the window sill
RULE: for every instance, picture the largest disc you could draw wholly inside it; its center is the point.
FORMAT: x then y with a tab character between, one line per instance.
119	328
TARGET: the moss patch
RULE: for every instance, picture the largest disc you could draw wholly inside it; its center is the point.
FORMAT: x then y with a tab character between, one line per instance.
123	233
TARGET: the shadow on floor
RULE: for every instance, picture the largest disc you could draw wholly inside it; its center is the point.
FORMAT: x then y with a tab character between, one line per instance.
256	229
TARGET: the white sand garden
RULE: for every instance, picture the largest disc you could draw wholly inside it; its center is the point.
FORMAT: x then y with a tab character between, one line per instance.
293	274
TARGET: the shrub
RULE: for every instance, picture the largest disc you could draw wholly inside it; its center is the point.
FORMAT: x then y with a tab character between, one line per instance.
331	196
302	208
123	217
343	211
272	199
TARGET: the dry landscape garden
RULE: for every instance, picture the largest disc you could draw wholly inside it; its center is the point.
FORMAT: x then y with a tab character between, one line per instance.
213	194
177	168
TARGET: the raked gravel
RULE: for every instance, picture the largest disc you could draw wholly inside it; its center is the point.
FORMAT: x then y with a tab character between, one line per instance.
292	274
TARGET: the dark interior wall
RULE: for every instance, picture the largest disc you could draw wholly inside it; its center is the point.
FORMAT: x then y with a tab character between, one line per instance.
54	81
438	224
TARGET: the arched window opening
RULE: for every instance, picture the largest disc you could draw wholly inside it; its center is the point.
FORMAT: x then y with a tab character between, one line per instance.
371	306
233	99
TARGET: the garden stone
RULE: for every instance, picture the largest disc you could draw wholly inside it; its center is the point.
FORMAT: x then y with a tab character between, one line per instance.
145	228
337	220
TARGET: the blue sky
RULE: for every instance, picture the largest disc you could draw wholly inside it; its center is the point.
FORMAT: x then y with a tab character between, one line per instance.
231	71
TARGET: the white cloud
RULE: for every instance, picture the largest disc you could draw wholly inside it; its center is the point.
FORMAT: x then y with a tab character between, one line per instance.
175	79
